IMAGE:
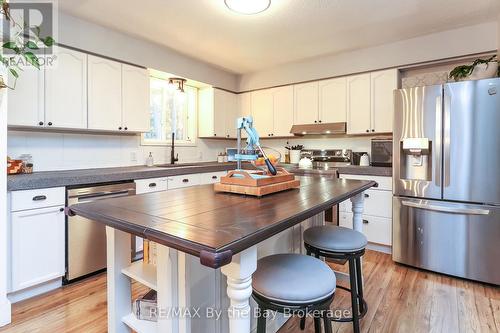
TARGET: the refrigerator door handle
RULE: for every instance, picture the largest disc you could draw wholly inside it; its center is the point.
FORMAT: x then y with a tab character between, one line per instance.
446	209
437	162
446	138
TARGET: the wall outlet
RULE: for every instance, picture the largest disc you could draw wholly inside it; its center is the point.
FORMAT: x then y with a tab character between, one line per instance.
133	156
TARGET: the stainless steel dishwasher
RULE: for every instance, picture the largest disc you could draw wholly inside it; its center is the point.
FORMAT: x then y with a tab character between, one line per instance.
86	239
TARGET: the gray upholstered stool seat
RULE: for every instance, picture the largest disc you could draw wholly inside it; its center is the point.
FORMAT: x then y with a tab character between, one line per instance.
293	279
335	239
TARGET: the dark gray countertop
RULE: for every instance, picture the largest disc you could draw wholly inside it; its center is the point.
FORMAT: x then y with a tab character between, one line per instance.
103	175
346	170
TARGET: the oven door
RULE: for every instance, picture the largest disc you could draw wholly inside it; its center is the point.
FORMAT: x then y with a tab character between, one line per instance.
451	238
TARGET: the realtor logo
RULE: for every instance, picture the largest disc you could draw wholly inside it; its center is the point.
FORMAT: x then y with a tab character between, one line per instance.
30	25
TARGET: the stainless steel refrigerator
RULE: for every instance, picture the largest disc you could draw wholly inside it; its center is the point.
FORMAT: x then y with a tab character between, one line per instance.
446	161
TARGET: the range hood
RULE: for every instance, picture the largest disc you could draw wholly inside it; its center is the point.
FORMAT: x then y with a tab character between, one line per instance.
319	129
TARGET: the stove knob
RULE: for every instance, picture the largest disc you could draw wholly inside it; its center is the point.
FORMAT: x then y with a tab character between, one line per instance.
338	153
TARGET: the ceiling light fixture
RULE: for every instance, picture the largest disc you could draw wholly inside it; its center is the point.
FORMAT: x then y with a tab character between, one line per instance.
177	81
248	7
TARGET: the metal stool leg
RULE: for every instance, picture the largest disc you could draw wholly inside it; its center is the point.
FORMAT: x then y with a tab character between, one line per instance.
261	323
359	276
317	325
354	296
302	323
327	323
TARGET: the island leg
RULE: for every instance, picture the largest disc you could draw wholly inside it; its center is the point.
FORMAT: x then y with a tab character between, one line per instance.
357	211
239	289
119	294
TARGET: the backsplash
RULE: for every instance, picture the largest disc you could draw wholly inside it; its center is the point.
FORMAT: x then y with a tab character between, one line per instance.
63	151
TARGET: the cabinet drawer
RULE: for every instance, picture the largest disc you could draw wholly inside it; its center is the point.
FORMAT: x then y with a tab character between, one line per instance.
183	181
377	203
384	183
211	177
376	229
151	185
32	199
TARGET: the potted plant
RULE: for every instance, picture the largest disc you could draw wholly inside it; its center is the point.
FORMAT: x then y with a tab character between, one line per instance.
479	69
20	46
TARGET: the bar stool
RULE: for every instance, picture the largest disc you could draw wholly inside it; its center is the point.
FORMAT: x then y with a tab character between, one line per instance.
296	284
342	244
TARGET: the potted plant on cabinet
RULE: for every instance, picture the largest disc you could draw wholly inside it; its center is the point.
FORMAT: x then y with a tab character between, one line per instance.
479	69
20	46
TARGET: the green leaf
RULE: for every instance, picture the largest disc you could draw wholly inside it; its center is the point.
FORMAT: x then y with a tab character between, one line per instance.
31	45
14	73
10	45
32	59
48	41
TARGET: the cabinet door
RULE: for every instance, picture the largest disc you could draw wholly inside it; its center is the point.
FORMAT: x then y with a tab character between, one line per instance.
244	108
219	112
245	104
358	104
135	92
262	112
306	103
230	114
333	100
66	90
283	110
104	94
206	113
37	246
26	101
383	84
183	181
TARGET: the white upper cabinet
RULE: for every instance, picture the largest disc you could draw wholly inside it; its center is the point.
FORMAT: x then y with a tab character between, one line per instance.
282	111
245	104
358	104
135	92
262	112
383	84
306	103
217	113
66	90
26	102
104	94
231	113
333	100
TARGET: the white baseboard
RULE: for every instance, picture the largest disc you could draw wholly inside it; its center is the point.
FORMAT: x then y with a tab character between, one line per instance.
34	291
379	248
5	315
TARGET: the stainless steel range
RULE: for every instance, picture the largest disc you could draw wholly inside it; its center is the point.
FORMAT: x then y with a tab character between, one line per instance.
328	158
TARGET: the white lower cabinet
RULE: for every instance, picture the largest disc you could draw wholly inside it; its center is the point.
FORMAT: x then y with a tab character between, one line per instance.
377	212
37	239
183	181
211	177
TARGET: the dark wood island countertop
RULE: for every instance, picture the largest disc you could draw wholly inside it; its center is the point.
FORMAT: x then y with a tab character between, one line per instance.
216	226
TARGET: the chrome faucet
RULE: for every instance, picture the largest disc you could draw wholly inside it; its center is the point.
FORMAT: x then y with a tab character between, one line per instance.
173	158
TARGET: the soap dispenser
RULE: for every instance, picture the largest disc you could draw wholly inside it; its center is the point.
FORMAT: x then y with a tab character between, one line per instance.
150	160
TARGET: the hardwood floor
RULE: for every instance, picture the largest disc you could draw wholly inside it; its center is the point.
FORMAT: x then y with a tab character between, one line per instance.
400	299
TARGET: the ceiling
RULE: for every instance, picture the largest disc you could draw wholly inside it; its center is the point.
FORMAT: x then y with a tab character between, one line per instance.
290	30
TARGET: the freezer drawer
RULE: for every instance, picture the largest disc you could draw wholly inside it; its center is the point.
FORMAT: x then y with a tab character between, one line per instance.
450	238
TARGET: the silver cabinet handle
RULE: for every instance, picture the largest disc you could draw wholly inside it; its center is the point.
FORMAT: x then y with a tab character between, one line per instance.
39	197
444	209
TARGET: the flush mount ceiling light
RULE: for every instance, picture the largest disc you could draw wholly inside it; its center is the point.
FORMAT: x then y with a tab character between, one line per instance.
248	7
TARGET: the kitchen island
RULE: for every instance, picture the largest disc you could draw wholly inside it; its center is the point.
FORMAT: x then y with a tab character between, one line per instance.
222	230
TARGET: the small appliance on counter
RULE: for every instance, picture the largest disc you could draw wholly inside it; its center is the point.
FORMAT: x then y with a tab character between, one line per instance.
382	152
328	158
364	160
356	156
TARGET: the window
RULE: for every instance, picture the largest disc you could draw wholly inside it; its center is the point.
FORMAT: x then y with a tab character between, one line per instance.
171	112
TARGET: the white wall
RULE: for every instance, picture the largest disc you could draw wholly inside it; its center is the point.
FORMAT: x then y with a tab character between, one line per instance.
452	43
91	37
56	151
498	36
4	302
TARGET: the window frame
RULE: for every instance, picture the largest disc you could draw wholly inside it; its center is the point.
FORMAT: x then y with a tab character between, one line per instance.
192	119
